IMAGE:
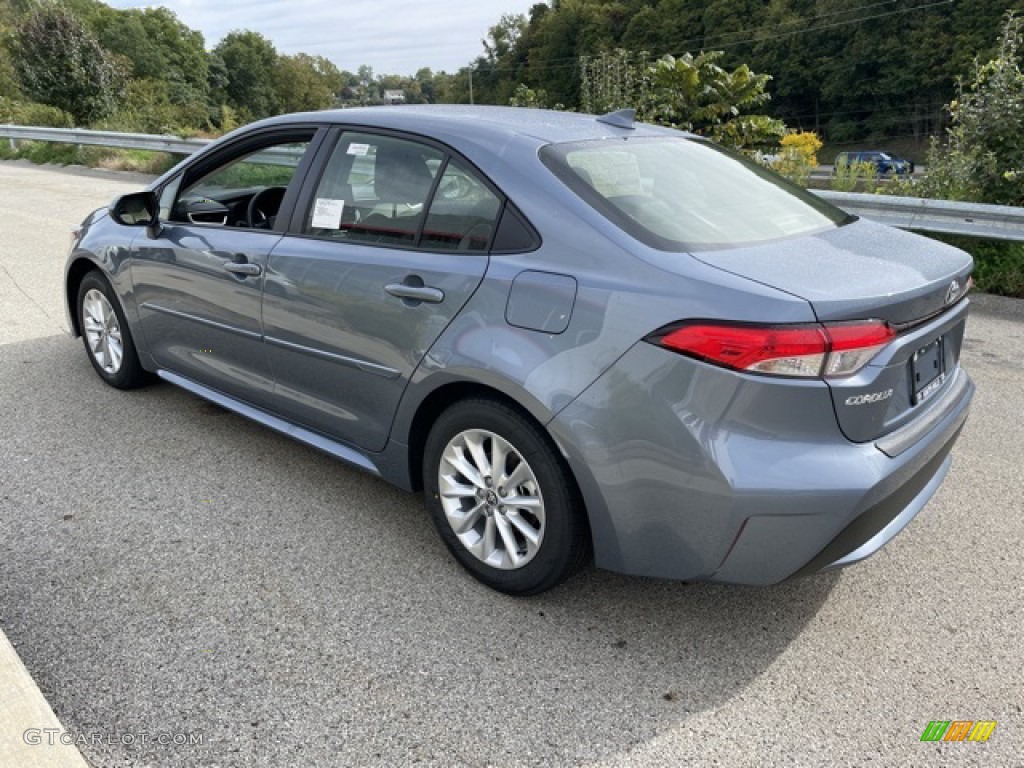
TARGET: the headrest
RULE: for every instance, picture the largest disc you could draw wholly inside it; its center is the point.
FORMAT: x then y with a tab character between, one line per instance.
401	175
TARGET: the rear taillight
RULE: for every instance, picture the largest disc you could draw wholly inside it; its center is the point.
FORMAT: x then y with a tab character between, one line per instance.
852	345
807	350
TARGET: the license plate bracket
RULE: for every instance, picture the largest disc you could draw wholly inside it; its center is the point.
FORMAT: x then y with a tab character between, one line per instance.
927	371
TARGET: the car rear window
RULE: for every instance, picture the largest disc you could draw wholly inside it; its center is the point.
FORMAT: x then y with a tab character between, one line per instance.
687	194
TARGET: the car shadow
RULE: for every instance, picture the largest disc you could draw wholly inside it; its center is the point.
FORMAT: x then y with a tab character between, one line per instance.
179	569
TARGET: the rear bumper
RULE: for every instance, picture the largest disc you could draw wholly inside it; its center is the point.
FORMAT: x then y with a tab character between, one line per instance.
692	472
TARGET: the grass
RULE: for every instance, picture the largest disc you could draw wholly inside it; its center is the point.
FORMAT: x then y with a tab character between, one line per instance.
45	152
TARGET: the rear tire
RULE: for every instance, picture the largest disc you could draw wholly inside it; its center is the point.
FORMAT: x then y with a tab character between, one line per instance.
105	334
502	498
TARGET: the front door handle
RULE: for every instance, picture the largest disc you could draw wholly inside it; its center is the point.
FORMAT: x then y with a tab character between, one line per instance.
415	293
245	269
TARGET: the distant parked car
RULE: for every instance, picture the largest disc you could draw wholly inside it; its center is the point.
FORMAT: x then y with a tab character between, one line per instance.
885	164
569	332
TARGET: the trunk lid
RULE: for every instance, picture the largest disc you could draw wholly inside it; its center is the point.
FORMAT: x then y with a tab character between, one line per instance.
855	272
865	271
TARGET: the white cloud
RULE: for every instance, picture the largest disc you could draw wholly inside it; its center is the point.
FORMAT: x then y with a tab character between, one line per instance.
392	36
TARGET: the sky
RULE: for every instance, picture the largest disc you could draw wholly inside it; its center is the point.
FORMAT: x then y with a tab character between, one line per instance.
392	36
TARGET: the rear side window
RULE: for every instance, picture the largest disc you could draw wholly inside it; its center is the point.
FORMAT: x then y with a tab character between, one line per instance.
374	189
397	192
463	213
687	194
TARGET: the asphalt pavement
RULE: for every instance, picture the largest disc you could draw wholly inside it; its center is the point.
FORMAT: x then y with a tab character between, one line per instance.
188	588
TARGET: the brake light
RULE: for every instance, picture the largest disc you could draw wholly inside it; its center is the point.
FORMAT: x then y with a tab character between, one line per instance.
807	350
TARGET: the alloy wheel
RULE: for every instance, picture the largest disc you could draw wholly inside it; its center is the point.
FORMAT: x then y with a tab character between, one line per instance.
492	499
102	332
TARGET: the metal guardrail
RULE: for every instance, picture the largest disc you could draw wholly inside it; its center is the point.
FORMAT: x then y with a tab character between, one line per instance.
995	222
172	144
117	140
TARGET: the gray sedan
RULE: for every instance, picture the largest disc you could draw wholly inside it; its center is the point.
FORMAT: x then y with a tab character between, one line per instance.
575	335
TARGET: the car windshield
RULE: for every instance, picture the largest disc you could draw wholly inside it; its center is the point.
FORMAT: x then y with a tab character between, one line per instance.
687	194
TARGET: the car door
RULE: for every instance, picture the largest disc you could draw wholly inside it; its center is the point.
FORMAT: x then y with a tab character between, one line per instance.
198	283
390	242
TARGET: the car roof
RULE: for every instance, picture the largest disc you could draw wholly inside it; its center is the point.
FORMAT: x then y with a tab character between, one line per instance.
478	123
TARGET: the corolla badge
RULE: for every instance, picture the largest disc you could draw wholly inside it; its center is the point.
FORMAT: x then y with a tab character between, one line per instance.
952	292
869	398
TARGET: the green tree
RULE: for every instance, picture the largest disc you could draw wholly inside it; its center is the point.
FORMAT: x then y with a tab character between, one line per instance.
9	86
59	62
123	33
249	63
694	93
305	83
183	56
984	158
146	107
849	71
524	96
495	73
428	89
613	80
556	44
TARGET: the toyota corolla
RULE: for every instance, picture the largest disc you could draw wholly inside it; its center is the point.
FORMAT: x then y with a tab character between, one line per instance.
573	334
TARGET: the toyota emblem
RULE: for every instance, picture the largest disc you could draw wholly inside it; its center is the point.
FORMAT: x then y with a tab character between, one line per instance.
952	292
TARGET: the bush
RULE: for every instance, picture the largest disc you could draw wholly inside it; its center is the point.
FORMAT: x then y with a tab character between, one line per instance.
60	62
799	156
984	159
147	108
998	265
30	113
849	176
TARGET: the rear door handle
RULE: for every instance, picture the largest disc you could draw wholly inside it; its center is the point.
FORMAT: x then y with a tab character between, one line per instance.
415	292
245	269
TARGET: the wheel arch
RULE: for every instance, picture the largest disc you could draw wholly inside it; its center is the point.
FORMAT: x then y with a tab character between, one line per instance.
436	401
417	426
76	272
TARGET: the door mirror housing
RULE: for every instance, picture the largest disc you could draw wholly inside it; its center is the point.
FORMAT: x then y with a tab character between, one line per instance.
139	209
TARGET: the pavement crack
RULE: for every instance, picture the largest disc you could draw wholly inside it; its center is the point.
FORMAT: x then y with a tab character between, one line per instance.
28	296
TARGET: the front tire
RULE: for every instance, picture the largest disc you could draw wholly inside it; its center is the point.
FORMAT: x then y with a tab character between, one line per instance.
108	341
502	498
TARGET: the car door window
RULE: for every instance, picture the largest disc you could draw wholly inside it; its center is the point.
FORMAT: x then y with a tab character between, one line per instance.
463	213
245	190
374	189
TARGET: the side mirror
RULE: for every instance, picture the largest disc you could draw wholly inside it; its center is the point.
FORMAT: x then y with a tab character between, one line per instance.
139	209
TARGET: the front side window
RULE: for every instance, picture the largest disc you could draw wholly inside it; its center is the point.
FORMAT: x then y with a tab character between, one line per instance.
245	190
687	194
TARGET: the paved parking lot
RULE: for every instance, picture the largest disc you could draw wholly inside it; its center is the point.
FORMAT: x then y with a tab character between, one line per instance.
169	569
